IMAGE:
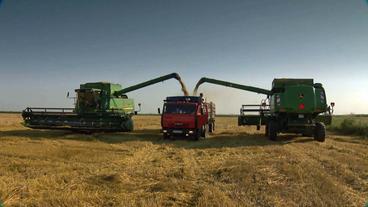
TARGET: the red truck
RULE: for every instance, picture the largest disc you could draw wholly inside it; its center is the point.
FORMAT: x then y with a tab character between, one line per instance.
187	116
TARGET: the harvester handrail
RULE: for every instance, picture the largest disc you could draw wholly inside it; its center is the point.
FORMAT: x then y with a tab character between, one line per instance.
245	105
260	108
232	85
45	109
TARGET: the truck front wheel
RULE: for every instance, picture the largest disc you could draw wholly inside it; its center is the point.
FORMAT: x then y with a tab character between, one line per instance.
197	134
166	136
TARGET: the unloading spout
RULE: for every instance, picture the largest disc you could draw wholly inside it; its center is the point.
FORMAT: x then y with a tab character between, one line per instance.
229	84
153	81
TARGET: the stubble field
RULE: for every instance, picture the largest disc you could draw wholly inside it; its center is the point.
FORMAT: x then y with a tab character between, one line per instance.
236	166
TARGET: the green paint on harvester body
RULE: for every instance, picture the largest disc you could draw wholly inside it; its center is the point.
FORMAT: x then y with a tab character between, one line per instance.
100	106
292	105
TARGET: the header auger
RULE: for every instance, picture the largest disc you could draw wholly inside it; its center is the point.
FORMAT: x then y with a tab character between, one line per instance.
100	106
292	105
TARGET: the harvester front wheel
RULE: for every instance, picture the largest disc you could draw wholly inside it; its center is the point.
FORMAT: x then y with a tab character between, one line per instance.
320	132
272	130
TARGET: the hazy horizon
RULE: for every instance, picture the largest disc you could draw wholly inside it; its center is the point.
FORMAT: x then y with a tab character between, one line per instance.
48	48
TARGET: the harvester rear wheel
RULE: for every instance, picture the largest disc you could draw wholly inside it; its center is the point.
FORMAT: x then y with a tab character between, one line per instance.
320	132
272	130
127	125
308	133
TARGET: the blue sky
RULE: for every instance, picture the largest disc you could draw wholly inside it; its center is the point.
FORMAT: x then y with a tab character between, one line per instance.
49	47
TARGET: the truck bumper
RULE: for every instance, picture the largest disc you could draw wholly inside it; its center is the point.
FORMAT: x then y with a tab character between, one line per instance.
179	132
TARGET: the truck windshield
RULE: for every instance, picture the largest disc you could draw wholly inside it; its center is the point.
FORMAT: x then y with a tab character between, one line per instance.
179	109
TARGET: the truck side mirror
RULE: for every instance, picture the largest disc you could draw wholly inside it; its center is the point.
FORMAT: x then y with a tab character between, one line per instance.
158	110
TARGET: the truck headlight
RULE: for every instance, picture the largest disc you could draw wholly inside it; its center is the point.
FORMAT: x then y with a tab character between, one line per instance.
191	132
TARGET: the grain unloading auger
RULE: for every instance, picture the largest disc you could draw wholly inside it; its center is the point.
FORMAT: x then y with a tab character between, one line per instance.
100	106
292	105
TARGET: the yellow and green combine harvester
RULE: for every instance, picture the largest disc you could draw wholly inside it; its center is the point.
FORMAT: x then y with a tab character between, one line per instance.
292	106
99	106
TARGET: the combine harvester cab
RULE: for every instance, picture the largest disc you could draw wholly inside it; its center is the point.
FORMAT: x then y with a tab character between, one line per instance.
187	116
292	106
99	106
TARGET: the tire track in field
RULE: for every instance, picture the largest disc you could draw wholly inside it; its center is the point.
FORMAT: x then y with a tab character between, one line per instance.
333	166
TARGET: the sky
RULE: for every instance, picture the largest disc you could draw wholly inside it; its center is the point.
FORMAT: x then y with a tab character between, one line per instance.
49	47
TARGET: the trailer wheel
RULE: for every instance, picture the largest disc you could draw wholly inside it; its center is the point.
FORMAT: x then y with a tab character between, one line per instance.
272	130
211	127
206	131
320	132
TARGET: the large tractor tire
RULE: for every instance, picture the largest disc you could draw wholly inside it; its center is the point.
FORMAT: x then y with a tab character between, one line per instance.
272	130
127	125
320	132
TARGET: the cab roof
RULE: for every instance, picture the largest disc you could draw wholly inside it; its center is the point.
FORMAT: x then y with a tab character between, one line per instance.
192	99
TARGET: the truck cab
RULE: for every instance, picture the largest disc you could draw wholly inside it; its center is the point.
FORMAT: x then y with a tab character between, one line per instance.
187	116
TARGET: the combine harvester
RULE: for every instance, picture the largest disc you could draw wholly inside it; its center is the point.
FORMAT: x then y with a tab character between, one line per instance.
99	106
292	105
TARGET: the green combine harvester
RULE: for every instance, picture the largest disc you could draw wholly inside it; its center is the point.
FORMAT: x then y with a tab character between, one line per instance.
99	106
292	106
